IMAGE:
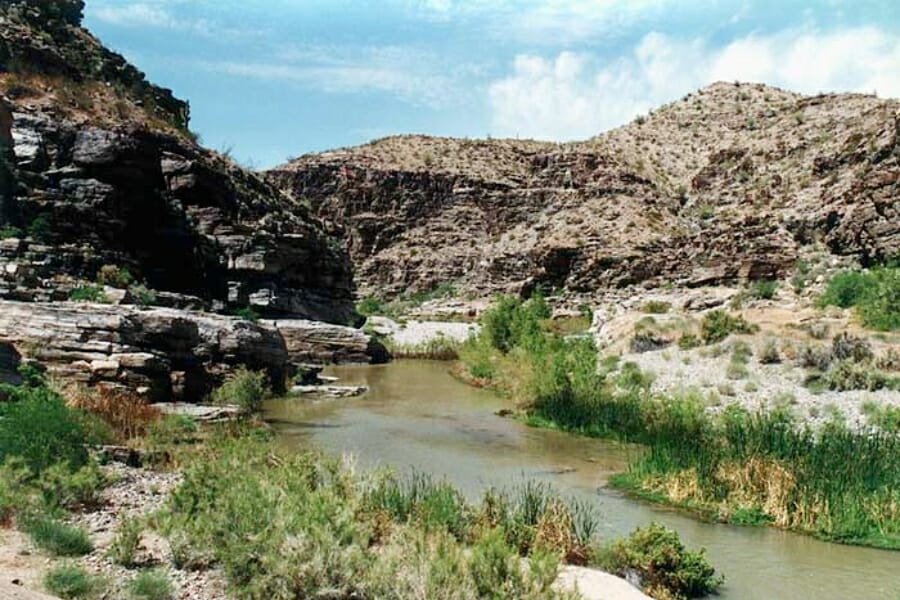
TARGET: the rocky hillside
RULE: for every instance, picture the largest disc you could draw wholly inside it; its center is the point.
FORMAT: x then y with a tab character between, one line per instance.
730	183
100	169
121	237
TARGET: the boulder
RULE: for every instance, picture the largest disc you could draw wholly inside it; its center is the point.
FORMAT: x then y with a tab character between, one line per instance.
317	342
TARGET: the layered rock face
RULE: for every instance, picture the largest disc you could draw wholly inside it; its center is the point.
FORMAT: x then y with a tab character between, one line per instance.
99	174
160	353
728	184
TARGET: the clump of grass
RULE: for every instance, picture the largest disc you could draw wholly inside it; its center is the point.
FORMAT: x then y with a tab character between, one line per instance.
72	582
151	585
688	341
440	347
884	417
656	307
764	289
88	293
244	388
718	325
124	548
56	537
769	354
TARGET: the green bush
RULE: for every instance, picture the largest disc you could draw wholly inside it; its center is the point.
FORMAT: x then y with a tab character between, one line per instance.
8	231
56	537
143	296
123	550
151	585
718	325
875	295
88	293
688	341
845	289
664	565
37	426
656	307
371	306
72	582
114	276
879	307
764	290
40	229
244	388
248	313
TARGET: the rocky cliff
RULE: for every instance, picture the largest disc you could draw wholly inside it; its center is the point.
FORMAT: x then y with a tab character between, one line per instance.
106	197
99	169
728	184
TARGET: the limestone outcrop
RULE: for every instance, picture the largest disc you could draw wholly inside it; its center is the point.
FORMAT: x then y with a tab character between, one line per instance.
160	353
316	343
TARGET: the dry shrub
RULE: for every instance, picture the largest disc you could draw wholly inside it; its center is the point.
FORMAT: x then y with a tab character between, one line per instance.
764	482
553	534
126	413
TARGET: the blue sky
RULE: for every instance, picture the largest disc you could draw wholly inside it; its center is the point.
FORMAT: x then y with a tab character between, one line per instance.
278	78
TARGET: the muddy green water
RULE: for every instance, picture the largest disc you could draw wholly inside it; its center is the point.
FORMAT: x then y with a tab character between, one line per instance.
416	416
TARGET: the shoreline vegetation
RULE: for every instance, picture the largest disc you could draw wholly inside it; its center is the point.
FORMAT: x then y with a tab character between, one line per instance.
279	525
738	466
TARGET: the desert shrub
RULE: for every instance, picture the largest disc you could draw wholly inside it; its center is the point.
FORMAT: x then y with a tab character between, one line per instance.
718	325
763	290
114	276
814	357
151	585
511	322
656	307
244	388
40	228
88	293
879	306
769	355
8	231
665	567
688	341
248	313
817	330
845	346
371	306
889	360
644	341
124	547
56	537
846	289
61	487
40	428
497	572
141	294
72	582
847	375
127	414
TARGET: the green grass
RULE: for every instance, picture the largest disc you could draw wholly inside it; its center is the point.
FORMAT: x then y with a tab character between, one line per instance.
88	293
834	483
151	585
72	582
244	388
55	537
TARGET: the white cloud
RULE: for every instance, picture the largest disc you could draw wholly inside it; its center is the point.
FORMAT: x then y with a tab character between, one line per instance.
413	75
158	15
573	96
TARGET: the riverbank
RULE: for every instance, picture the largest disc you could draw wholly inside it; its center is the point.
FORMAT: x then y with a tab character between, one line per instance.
223	512
744	467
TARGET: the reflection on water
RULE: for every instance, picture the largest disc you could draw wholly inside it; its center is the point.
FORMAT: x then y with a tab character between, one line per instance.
416	416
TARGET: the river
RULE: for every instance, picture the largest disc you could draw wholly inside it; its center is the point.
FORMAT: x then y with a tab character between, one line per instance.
416	416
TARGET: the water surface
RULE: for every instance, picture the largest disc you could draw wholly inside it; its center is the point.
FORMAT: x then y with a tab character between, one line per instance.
416	416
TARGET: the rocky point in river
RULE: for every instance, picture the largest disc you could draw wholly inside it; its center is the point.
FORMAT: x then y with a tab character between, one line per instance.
729	184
